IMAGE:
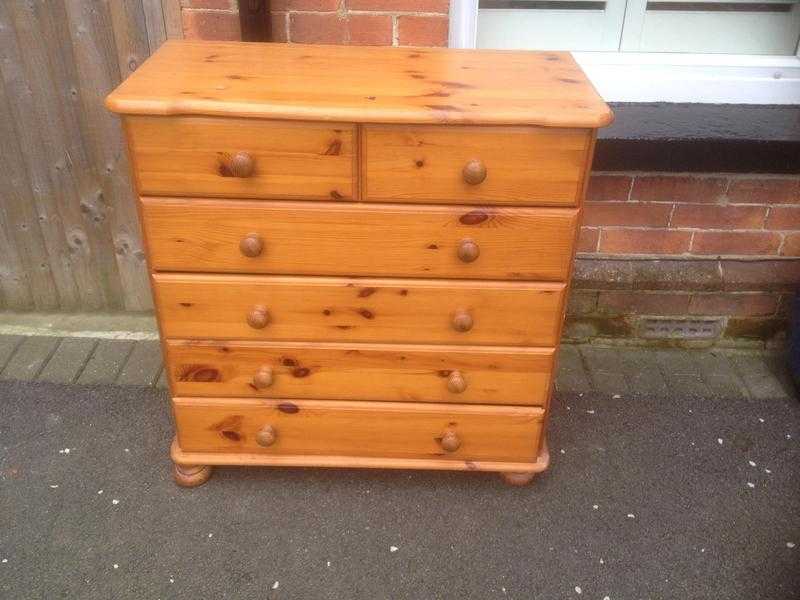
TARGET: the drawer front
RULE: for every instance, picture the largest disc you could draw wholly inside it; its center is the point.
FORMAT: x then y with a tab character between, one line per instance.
474	375
305	238
358	310
506	165
369	429
185	156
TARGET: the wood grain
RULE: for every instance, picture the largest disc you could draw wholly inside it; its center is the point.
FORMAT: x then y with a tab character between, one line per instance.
352	239
524	165
363	85
388	372
186	156
358	310
364	429
250	459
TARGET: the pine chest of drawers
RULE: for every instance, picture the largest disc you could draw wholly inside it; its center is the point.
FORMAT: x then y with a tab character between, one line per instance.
360	256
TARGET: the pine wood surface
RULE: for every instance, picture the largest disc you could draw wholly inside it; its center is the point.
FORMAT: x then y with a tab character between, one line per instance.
386	372
363	85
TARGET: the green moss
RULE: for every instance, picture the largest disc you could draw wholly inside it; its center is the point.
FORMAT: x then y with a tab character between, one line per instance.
760	329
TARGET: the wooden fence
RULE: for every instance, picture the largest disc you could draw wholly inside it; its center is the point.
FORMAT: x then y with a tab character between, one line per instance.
69	238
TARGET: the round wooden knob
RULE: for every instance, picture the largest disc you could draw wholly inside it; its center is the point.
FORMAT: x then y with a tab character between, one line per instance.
462	321
468	251
263	377
456	382
258	318
251	245
266	436
450	441
242	165
474	172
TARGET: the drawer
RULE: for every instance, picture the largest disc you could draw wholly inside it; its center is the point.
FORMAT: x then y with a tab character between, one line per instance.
322	238
465	165
358	310
368	429
249	158
388	372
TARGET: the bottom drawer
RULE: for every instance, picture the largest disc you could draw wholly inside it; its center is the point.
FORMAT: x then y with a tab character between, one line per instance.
359	429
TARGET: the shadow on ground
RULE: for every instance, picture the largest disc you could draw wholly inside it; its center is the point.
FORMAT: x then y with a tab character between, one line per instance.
669	497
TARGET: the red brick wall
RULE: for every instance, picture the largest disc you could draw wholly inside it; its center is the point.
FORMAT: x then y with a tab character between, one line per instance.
362	22
689	246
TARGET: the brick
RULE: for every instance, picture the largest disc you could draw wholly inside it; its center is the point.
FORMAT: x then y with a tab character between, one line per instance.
704	216
429	6
370	30
736	243
581	302
654	274
760	274
642	303
312	5
609	188
765	190
783	217
754	328
211	25
422	31
279	25
791	245
214	4
644	241
740	305
658	188
327	28
587	240
631	214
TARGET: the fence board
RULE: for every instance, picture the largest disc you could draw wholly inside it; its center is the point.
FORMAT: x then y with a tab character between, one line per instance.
69	237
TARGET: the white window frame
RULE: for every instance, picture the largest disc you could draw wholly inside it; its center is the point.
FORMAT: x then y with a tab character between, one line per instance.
667	77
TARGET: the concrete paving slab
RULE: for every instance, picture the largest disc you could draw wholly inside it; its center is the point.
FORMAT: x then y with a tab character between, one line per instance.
69	359
143	365
106	362
719	375
163	380
643	502
8	345
642	371
757	376
605	369
572	376
29	358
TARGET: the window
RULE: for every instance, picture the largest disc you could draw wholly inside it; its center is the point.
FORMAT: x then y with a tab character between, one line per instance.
716	51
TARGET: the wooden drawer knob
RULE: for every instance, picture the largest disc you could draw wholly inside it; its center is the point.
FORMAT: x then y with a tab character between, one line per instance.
266	436
462	321
242	165
258	318
251	245
456	382
450	441
468	251
474	172
263	377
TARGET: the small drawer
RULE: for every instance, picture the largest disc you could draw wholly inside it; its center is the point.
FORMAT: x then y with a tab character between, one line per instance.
466	375
366	429
412	311
324	238
248	158
483	165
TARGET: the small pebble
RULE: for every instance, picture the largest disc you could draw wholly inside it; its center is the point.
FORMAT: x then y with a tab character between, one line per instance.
275	585
719	441
116	566
5	560
563	451
99	491
590	412
171	580
54	486
578	589
788	545
616	396
751	485
115	501
210	535
751	463
631	516
595	506
760	420
393	548
602	562
767	471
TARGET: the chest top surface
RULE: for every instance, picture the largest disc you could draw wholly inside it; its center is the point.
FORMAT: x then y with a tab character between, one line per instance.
362	85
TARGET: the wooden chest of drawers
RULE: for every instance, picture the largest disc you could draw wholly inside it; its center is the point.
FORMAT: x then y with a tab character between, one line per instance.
360	256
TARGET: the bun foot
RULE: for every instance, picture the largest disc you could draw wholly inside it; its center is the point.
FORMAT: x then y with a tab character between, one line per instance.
190	476
518	479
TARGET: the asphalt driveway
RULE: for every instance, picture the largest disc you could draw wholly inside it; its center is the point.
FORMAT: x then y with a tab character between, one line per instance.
647	497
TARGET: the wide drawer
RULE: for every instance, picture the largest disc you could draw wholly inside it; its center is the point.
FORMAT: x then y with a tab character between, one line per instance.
324	238
368	429
486	165
358	310
388	372
251	158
